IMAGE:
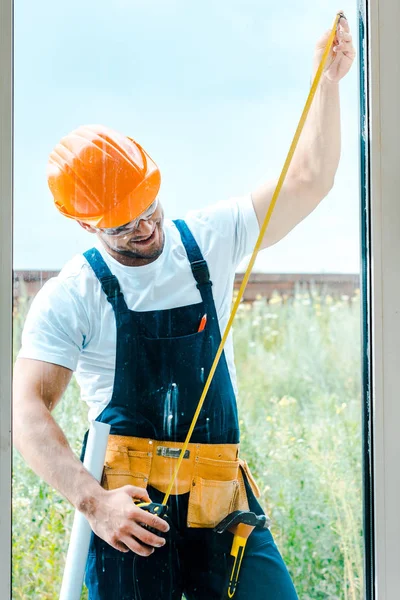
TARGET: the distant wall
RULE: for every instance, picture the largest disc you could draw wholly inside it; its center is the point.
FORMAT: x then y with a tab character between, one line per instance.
260	284
265	284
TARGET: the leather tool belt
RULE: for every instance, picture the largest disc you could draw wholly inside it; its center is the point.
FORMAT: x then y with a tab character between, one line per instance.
212	474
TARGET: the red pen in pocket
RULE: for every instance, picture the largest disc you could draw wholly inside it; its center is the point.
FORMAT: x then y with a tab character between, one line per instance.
202	323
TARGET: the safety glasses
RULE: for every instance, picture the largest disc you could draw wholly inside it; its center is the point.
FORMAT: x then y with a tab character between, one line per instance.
132	225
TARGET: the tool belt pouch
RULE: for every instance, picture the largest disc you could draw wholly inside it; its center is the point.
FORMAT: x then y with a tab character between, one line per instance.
124	466
217	490
216	485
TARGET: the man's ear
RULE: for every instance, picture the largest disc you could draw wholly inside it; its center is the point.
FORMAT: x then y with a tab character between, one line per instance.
87	227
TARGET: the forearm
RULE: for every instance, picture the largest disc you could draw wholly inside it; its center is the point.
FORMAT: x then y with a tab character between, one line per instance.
317	155
46	450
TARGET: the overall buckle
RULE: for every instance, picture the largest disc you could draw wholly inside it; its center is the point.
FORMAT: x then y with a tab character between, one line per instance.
110	286
200	272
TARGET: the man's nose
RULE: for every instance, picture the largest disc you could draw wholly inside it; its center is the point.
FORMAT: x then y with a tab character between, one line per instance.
144	228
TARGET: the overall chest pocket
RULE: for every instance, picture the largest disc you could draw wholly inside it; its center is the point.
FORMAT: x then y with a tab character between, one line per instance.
170	375
180	358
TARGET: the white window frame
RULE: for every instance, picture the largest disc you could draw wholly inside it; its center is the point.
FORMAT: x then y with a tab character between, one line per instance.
6	187
381	283
383	58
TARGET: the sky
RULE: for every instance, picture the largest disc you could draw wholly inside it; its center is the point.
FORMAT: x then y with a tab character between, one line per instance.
212	90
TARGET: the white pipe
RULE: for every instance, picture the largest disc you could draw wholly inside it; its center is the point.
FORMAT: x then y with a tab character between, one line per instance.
78	549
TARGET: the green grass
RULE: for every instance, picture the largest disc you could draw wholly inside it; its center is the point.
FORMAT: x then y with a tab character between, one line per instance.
299	376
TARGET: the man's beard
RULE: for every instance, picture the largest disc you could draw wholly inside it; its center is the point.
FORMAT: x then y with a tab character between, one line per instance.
130	254
155	253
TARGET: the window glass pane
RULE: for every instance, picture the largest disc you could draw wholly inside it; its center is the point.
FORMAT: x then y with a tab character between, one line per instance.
213	92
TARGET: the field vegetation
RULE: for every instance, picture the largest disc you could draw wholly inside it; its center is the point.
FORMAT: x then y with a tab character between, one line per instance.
299	374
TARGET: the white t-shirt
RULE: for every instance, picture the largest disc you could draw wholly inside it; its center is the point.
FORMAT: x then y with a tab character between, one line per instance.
71	323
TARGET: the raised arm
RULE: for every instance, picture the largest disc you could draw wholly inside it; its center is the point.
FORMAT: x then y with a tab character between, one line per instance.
312	172
38	387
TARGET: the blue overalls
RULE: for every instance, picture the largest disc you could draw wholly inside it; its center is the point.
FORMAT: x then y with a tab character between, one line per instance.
162	363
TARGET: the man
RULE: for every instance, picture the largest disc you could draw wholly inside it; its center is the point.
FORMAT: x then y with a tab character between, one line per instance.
139	318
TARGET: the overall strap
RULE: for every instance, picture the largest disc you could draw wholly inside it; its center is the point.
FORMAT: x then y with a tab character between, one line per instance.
108	281
197	263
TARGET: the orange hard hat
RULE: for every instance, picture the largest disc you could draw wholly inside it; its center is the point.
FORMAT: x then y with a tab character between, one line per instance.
101	177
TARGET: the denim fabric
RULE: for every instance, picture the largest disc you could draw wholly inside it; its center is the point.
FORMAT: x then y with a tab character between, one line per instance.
194	562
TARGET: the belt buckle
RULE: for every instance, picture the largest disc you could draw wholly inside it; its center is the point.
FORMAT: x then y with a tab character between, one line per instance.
171	452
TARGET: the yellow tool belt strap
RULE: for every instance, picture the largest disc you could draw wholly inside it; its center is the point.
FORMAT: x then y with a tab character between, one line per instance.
213	474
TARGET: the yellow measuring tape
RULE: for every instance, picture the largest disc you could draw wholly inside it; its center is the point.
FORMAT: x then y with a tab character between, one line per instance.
260	238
